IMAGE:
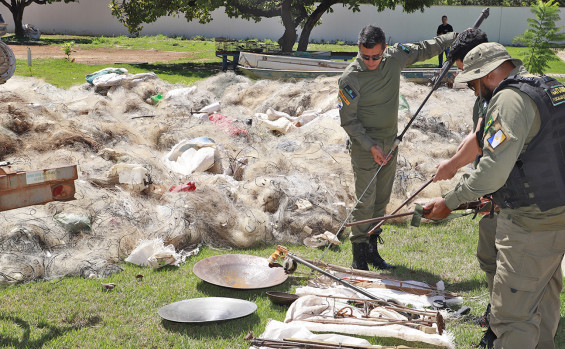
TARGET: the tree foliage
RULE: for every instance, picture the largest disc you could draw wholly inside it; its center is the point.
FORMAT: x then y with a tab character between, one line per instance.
540	36
17	7
293	13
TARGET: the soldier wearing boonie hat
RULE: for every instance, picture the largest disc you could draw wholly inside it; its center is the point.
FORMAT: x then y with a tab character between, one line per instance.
522	166
483	59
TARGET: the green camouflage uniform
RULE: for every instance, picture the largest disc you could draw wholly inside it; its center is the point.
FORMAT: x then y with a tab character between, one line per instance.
368	102
530	244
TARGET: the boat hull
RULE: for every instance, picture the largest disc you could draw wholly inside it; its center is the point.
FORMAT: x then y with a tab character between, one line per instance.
262	66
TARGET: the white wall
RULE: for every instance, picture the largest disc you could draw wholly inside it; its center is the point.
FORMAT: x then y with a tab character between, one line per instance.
93	17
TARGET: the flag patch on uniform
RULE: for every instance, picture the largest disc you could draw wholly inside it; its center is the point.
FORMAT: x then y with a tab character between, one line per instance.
496	139
488	124
350	91
339	102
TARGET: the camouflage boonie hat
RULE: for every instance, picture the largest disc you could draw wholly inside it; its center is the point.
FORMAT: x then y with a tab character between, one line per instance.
482	60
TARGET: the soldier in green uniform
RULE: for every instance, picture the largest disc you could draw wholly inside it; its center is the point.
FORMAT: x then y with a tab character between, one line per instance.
522	167
368	100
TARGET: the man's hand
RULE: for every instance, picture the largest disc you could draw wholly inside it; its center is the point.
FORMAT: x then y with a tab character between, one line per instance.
379	155
445	170
436	209
466	153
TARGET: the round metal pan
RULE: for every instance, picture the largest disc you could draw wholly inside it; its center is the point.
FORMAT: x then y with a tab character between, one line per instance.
239	271
281	298
199	310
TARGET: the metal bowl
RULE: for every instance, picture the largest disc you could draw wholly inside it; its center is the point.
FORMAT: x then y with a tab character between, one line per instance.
198	310
281	298
239	271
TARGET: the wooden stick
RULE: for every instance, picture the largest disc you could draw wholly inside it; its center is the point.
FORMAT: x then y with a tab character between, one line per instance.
372	274
402	205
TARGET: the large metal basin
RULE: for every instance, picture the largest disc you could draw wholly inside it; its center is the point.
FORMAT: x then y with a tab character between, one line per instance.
198	310
239	271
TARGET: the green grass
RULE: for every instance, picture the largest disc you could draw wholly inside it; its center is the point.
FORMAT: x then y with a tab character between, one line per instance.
79	313
62	73
202	64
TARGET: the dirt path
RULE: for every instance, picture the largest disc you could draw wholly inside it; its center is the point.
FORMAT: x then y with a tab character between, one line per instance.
100	55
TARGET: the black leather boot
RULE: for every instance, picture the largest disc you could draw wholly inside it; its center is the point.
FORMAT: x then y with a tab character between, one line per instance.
373	256
483	321
360	256
487	342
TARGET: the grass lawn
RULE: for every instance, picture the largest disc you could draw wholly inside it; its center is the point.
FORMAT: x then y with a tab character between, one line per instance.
80	313
204	63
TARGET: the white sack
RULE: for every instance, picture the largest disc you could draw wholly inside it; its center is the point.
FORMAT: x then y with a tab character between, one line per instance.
155	254
188	156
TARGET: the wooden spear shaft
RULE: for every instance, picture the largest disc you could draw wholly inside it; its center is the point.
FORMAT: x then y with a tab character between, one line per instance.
379	219
402	205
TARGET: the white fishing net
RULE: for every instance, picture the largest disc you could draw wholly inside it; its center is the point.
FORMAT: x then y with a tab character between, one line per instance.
248	197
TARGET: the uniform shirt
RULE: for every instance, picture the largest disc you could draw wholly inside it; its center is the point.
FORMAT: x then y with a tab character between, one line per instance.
444	29
512	121
368	99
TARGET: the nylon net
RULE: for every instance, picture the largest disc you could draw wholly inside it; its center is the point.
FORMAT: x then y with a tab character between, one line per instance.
266	185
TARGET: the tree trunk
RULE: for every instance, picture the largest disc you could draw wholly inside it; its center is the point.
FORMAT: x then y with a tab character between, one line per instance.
18	15
286	42
311	23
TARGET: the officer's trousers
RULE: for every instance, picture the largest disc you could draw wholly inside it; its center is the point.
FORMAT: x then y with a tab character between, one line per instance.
526	286
486	254
377	195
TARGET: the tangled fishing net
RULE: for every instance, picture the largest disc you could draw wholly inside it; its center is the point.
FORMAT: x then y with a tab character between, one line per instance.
280	168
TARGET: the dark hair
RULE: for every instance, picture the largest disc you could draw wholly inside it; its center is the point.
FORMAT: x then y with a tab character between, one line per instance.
370	36
444	16
465	42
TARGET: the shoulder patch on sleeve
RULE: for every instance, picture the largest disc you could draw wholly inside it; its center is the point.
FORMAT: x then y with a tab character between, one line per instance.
496	139
350	91
339	101
404	48
488	124
494	134
342	98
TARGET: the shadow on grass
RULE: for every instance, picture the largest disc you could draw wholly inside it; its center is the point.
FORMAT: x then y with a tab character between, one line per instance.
48	332
200	70
226	329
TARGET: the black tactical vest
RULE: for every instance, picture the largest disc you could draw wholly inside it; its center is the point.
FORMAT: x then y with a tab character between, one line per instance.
538	177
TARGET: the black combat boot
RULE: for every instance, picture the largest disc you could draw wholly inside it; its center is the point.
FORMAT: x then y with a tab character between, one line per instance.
360	256
487	342
483	320
373	257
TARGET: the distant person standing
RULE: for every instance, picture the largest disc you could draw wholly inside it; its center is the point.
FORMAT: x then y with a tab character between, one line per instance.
443	28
